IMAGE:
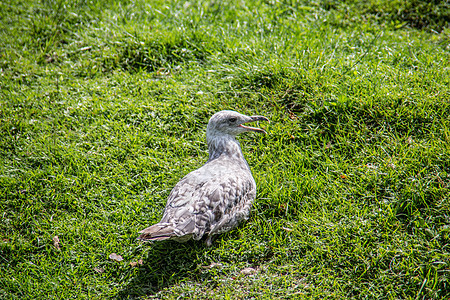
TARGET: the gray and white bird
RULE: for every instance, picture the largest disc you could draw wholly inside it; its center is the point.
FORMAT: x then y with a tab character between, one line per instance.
216	197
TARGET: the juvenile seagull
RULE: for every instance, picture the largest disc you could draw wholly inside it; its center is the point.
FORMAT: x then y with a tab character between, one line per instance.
216	197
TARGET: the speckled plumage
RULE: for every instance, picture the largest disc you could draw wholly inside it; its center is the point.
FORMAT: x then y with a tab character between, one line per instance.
216	197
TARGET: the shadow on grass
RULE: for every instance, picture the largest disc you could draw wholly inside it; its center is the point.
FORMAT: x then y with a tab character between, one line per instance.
166	263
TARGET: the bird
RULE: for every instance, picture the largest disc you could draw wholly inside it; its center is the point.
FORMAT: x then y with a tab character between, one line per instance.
216	197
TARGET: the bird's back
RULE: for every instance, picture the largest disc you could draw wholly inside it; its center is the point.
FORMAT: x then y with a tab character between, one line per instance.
210	200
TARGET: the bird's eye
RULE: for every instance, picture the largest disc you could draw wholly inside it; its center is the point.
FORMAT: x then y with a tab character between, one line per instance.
232	119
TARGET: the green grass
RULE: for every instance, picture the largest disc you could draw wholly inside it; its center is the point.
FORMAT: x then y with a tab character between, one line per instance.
103	108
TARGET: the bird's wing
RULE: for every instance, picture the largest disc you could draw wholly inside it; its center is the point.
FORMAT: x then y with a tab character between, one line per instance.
211	200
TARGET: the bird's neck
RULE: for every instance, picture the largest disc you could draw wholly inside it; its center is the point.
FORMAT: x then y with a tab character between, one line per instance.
224	145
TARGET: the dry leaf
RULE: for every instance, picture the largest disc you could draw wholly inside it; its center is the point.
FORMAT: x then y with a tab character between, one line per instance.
371	166
115	257
99	270
163	72
135	263
248	271
287	229
56	242
292	116
213	265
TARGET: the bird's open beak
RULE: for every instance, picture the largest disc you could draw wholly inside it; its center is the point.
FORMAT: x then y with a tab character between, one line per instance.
254	119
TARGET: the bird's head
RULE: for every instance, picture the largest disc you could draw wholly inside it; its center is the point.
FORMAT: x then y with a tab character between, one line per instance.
227	122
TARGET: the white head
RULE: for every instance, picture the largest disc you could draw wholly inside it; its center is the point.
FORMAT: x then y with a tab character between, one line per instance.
231	123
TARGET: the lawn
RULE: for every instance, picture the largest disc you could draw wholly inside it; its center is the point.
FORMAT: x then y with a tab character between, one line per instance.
104	106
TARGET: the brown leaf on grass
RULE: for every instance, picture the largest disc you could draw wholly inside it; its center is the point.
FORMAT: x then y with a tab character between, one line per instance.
56	242
115	257
135	263
163	72
99	270
292	116
213	265
248	271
